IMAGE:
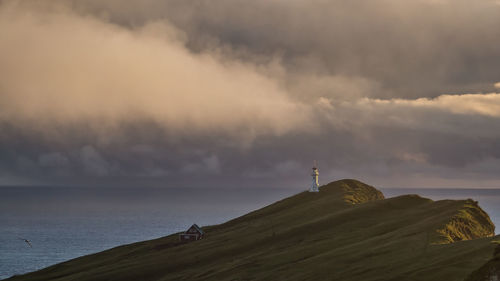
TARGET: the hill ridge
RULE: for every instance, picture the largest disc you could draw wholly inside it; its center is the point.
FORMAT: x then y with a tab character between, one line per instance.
347	231
470	222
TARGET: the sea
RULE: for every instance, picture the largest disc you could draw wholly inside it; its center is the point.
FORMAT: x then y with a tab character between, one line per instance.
67	222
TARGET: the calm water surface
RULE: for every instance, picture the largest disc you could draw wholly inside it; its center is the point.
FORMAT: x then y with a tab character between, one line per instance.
64	223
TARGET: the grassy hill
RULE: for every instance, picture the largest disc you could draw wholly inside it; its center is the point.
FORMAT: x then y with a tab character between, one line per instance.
489	271
347	231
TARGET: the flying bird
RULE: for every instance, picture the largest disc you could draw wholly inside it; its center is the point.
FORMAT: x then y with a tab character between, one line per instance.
27	241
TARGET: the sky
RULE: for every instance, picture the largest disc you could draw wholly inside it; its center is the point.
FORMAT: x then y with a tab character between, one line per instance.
236	93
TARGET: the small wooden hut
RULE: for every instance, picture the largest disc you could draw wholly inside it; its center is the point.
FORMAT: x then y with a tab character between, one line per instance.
192	234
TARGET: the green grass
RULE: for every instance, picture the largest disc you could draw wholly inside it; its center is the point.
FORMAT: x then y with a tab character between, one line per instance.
489	270
347	231
469	223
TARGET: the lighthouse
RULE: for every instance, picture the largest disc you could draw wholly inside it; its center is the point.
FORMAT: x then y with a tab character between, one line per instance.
315	180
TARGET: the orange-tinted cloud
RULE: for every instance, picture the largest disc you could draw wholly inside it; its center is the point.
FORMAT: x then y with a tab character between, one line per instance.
59	66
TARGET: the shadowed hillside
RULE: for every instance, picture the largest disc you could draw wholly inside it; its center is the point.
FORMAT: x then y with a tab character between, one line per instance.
489	271
347	231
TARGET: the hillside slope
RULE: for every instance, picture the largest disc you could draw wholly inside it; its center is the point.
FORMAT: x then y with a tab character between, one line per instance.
489	271
347	231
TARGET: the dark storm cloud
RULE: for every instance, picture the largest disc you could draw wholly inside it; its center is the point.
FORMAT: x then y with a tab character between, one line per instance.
400	48
247	93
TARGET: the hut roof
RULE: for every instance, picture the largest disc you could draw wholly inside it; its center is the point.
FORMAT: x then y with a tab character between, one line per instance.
198	228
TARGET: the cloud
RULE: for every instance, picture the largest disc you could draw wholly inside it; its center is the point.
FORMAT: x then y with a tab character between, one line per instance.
409	49
209	164
474	104
93	163
59	66
54	159
179	93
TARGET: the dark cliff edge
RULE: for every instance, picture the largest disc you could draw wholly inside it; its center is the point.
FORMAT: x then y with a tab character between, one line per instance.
347	231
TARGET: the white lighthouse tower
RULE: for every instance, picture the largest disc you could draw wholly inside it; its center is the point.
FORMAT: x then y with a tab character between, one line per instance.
315	180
